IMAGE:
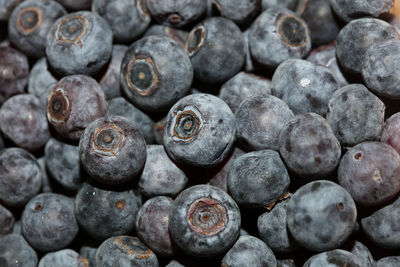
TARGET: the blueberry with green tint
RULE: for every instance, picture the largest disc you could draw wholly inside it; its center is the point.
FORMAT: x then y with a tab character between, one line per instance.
334	258
15	252
6	221
238	11
65	258
177	35
348	10
41	81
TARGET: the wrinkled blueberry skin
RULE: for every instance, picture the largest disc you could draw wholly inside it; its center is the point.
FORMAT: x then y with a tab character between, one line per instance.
289	4
321	215
216	48
29	25
41	81
334	258
82	51
48	222
363	253
242	86
357	37
125	251
65	258
176	13
304	86
6	7
273	231
199	131
152	225
161	176
120	107
263	174
260	120
6	221
16	252
370	172
179	36
348	10
309	147
26	179
14	72
89	253
276	35
355	115
204	221
116	216
238	11
164	81
127	19
388	262
62	162
249	251
73	103
391	132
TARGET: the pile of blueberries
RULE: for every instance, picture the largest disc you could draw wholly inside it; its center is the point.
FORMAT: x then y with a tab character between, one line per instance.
260	133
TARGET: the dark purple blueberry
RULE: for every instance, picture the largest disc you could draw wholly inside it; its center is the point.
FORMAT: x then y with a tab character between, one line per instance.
204	221
363	253
391	132
393	261
179	36
355	115
16	252
249	251
89	253
125	251
348	10
276	35
65	258
159	130
160	176
48	222
20	176
176	13
199	130
217	50
321	215
309	147
152	225
6	7
6	221
334	258
104	213
239	11
289	4
76	4
79	43
41	81
73	103
155	73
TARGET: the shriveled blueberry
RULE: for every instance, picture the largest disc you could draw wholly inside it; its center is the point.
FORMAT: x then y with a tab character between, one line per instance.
355	115
48	222
112	150
334	258
64	258
152	225
242	86
356	37
249	251
204	221
263	174
14	72
176	13
76	4
89	253
41	81
304	86
217	50
125	251
285	263
391	132
289	4
239	11
160	176
105	213
276	35
159	130
6	221
20	176
199	130
348	10
79	43
321	215
6	7
363	253
16	252
73	103
179	36
155	73
62	162
392	261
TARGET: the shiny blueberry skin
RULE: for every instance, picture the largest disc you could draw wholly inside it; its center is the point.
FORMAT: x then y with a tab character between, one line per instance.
76	4
179	36
16	252
289	4
41	81
48	222
391	132
238	11
348	10
65	258
199	130
6	221
334	258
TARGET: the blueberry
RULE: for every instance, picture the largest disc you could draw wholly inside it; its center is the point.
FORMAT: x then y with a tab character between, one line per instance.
249	65
76	4
174	263
217	50
16	252
125	251
48	222
46	186
289	4
73	103
65	258
160	175
199	130
355	115
204	221
20	176
309	147
155	73
89	253
348	10
6	7
41	81
117	214
388	262
238	11
249	251
14	72
304	86
263	174
285	263
176	13
334	258
29	24
6	221
79	43
179	36
391	132
17	228
362	252
321	215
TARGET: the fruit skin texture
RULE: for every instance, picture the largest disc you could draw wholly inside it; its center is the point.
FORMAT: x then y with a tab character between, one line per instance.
6	221
76	4
289	4
6	7
391	132
239	11
65	258
392	261
16	252
333	258
348	10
